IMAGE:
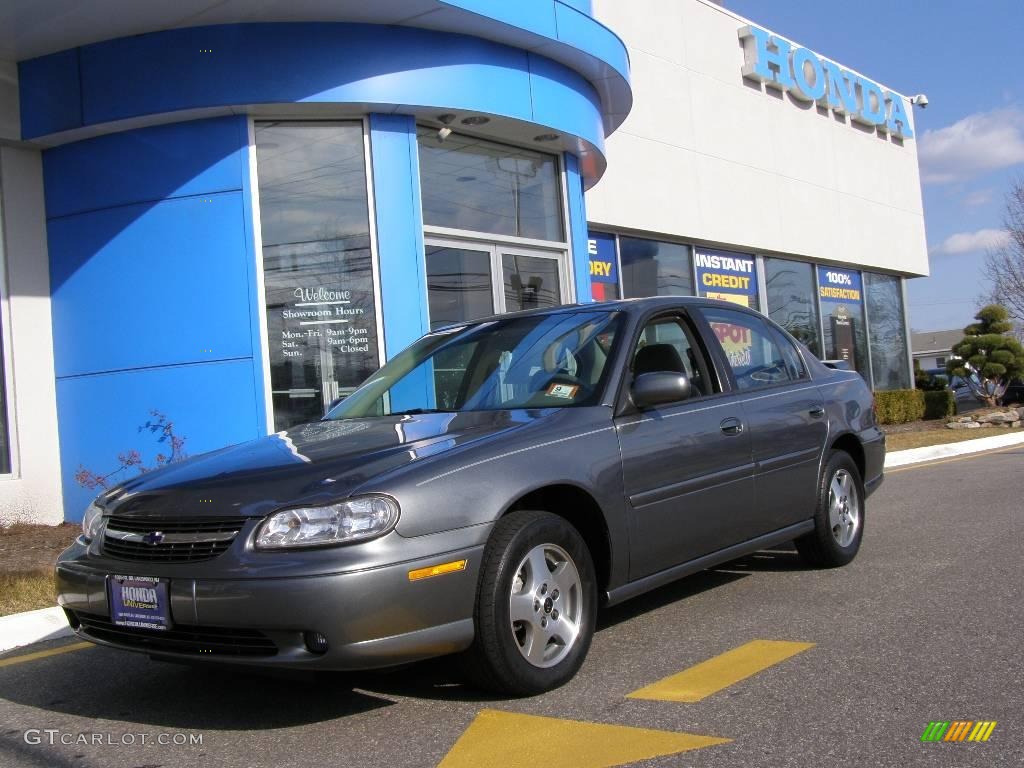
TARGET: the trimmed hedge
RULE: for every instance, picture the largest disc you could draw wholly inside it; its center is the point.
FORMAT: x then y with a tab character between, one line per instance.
939	405
898	406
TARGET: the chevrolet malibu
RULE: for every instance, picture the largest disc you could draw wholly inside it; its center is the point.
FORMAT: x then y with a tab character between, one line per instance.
484	493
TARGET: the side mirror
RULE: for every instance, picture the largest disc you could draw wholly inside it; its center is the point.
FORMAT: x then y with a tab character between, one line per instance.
658	388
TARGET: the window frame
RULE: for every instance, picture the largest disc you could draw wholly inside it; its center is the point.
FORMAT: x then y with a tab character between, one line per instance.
685	317
261	321
10	424
495	251
723	363
513	240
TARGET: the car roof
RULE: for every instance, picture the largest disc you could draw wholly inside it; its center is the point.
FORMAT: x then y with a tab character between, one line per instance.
633	306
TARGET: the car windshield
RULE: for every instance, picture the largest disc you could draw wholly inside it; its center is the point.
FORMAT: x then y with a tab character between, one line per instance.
557	360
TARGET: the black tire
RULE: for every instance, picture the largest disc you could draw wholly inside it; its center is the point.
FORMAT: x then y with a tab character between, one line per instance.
495	661
826	546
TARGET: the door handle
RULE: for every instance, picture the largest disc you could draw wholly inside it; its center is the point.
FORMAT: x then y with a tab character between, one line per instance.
817	411
732	426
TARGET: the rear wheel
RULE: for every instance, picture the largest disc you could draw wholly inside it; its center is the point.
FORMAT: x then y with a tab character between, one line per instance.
535	606
839	518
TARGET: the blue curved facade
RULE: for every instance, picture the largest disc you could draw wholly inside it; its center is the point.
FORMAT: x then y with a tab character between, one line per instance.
153	221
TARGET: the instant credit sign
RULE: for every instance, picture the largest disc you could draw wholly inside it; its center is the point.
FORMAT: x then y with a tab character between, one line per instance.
604	273
839	285
726	276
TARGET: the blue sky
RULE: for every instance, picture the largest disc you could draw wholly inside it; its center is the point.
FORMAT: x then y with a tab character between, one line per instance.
969	59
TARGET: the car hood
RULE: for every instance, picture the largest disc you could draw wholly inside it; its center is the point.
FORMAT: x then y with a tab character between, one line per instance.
308	464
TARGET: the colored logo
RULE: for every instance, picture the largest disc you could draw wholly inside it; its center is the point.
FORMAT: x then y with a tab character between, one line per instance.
958	730
153	538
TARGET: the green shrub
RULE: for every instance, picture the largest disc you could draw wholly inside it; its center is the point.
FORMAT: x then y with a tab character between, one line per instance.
939	405
898	406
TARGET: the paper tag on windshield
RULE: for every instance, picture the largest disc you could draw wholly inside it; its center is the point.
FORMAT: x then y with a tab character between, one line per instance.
564	391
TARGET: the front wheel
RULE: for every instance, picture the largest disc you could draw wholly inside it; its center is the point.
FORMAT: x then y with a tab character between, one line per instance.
535	606
839	518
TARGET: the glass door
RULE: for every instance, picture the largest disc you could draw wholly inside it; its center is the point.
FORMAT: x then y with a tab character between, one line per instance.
467	280
531	279
459	282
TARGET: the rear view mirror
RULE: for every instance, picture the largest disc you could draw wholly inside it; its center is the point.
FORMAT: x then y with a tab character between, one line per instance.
658	388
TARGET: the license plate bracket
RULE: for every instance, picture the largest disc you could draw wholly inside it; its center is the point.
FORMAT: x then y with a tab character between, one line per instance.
139	602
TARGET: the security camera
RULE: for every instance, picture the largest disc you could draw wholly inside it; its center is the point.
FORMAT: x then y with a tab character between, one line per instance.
444	133
920	100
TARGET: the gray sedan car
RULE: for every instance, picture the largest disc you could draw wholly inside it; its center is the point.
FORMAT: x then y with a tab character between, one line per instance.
484	493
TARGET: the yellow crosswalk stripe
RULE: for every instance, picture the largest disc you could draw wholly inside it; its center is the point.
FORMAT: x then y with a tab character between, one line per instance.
717	673
44	654
511	740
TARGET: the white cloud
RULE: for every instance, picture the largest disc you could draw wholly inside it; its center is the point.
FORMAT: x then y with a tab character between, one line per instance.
980	142
971	242
978	198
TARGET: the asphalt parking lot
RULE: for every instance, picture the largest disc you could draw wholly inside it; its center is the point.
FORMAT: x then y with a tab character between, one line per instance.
924	626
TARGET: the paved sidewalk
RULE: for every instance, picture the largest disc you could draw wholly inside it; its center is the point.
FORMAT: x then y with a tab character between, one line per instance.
32	627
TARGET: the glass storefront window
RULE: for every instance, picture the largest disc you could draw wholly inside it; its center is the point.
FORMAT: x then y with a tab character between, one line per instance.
604	266
321	305
481	186
890	363
727	276
655	268
458	284
789	288
842	312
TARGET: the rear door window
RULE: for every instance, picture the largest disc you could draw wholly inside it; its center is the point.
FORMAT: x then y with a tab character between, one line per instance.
751	348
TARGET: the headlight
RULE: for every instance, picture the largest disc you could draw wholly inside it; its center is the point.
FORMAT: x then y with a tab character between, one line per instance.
92	521
353	520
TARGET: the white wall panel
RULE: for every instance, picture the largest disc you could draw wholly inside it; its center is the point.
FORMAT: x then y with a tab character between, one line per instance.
33	492
761	171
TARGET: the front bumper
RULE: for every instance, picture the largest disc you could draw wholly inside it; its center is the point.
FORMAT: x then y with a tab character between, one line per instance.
375	617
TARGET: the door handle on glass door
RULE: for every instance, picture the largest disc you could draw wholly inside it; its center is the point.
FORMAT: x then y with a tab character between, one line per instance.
732	426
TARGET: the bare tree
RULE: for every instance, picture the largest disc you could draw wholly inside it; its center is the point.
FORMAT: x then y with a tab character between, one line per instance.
1004	266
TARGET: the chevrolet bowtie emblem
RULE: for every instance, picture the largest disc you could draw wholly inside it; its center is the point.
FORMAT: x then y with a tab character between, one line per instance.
154	537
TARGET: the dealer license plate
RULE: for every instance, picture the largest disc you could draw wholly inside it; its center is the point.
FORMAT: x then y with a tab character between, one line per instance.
140	602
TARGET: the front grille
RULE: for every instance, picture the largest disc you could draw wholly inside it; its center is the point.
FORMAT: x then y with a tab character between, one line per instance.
181	540
201	641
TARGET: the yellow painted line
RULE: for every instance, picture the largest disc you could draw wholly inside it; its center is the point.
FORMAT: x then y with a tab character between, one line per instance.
717	673
965	456
44	654
511	740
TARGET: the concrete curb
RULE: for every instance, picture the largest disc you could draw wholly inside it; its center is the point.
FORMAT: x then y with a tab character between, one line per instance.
932	452
30	627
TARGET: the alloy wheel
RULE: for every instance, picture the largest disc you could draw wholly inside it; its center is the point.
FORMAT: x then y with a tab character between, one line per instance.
843	508
546	605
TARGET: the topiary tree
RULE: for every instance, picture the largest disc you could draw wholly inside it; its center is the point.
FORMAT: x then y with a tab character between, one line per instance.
988	358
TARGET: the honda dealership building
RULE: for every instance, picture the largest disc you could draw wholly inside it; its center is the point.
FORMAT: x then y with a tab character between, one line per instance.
223	216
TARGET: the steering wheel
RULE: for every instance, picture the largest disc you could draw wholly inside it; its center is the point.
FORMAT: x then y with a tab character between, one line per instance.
766	373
